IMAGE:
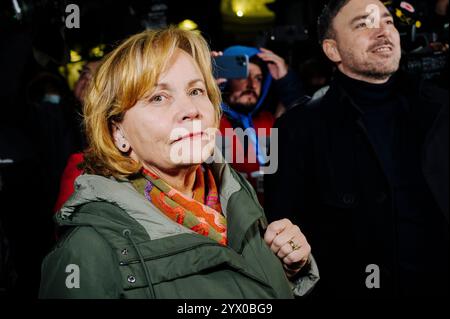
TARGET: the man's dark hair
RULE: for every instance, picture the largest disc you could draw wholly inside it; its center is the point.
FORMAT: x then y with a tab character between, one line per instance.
259	62
325	20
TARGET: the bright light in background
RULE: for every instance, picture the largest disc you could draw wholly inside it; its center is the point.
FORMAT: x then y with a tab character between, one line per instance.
98	51
74	56
16	7
71	72
188	25
247	9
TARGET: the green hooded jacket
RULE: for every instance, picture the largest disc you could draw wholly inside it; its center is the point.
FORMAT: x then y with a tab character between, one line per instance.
116	244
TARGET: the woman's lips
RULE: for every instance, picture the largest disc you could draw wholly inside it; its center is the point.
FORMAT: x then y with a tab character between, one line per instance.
188	136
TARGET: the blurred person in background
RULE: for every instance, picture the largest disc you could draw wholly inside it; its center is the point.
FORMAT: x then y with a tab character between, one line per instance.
245	107
73	167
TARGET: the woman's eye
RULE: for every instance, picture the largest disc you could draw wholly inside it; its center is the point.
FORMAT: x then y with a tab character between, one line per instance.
197	91
157	98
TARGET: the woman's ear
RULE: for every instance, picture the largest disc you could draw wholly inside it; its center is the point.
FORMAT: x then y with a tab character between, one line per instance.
119	139
329	46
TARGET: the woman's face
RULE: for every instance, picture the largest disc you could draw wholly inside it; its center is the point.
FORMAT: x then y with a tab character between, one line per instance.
174	125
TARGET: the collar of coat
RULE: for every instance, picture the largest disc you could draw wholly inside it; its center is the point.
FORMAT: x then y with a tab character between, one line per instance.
424	99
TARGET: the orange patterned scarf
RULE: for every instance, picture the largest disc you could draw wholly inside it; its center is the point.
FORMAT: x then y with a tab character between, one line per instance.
202	213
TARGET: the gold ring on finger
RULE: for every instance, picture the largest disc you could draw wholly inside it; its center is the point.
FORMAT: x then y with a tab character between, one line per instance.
294	246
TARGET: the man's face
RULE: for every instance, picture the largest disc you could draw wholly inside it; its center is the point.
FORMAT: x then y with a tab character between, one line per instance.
246	91
366	41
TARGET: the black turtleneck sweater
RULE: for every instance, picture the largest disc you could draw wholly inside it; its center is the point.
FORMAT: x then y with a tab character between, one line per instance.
397	143
381	107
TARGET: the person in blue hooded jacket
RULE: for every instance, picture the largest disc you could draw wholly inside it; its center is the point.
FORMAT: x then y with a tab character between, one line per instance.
245	106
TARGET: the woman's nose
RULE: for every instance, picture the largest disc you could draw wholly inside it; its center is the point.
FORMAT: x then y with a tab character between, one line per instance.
188	111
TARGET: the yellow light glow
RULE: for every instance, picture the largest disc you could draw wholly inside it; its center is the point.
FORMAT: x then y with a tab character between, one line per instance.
418	24
98	51
74	56
71	72
247	10
188	25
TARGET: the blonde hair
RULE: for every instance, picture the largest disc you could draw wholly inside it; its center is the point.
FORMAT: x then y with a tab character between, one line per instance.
126	75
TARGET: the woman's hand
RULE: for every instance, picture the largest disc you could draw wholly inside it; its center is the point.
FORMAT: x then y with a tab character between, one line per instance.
276	64
289	244
216	54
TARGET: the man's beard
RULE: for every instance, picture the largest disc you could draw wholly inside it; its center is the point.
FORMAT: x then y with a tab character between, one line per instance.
374	71
377	71
242	108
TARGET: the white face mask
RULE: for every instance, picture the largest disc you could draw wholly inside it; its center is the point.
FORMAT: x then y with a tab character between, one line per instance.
51	98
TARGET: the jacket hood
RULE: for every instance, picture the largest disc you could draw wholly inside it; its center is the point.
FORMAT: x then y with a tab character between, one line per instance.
121	193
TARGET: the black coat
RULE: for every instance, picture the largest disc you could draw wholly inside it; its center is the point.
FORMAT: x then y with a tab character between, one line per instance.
330	182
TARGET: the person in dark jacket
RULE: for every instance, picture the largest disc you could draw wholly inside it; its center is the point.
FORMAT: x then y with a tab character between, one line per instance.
151	217
364	169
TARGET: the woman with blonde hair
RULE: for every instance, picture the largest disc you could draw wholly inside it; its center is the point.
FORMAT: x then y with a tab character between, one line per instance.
151	217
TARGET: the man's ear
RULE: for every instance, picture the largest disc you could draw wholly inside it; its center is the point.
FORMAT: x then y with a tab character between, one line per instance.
119	139
329	46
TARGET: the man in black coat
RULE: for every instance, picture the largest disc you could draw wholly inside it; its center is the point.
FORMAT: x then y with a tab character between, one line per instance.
364	170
